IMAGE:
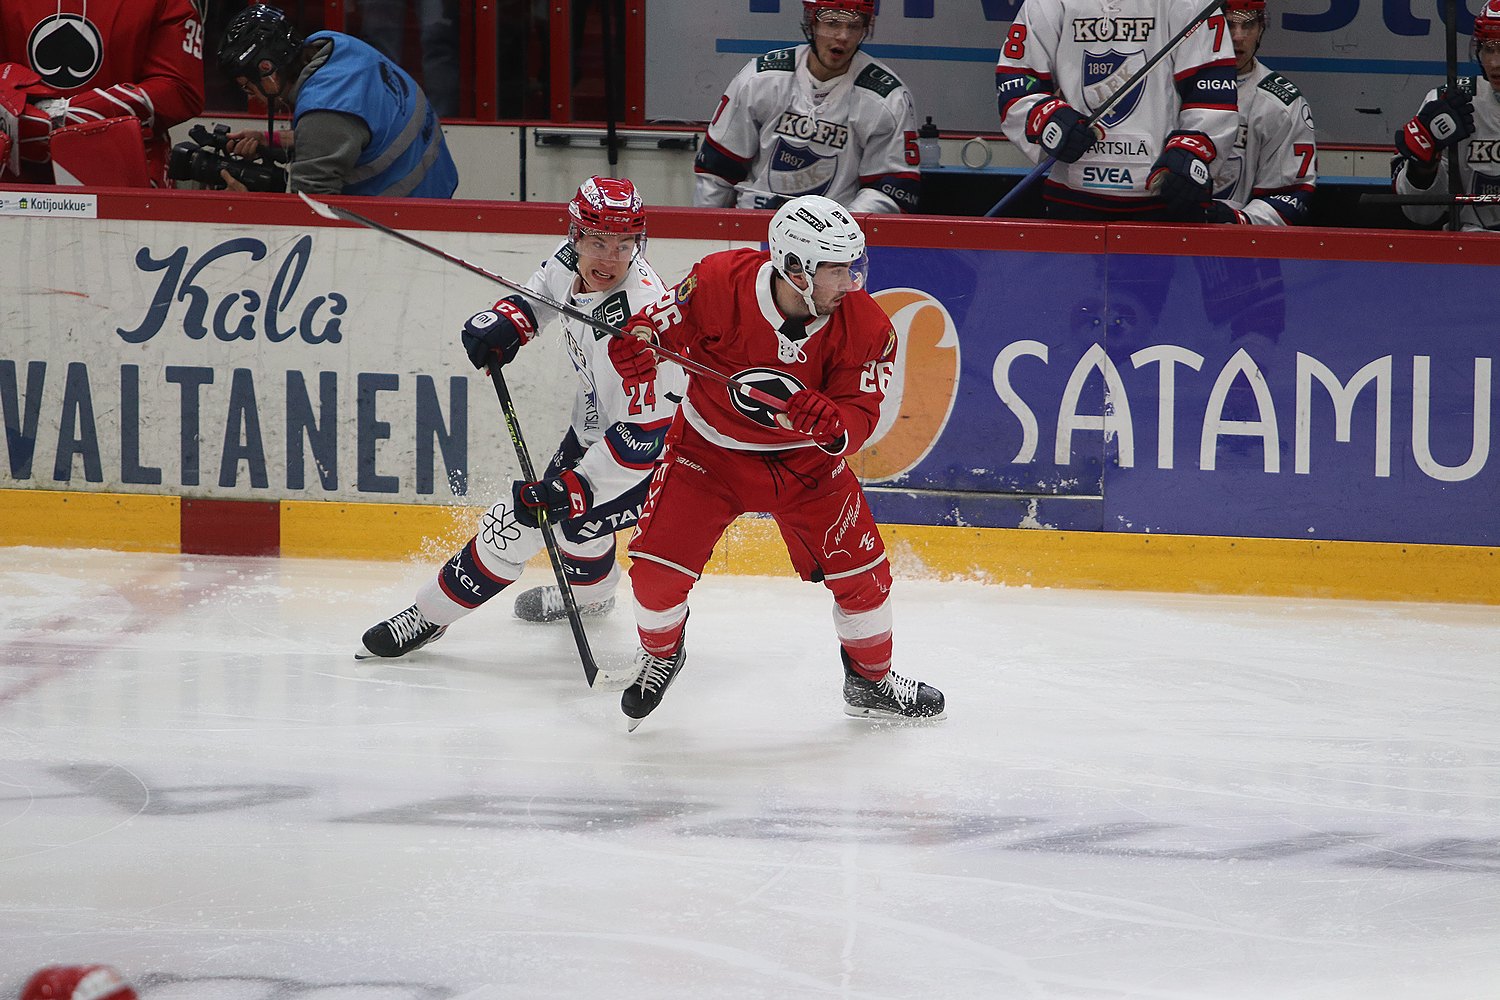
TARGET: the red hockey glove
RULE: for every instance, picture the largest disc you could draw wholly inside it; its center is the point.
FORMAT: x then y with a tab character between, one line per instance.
1058	128
814	414
559	498
631	355
1180	175
111	102
1443	122
15	79
495	335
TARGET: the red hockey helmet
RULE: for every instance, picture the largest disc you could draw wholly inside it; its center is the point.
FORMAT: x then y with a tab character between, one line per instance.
1487	23
1245	10
608	206
77	982
811	9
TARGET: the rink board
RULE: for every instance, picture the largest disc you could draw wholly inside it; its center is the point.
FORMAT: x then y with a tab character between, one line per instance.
753	546
1127	383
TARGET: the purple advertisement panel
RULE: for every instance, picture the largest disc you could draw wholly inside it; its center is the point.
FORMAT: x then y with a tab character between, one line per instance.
1188	395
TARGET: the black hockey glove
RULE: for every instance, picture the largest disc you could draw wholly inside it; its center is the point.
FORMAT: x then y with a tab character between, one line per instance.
1444	121
1223	212
560	498
1058	128
1180	175
495	335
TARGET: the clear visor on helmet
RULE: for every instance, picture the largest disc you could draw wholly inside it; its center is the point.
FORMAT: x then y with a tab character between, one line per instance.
606	246
1489	47
831	277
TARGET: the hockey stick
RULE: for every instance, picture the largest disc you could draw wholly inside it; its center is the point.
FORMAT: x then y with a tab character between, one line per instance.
1391	198
570	603
344	215
1455	181
1115	98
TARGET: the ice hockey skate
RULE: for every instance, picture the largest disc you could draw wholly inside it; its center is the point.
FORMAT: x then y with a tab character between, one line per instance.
892	697
399	635
545	604
654	675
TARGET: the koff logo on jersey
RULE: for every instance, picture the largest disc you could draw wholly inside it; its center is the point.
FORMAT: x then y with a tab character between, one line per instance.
1113	29
1484	151
809	129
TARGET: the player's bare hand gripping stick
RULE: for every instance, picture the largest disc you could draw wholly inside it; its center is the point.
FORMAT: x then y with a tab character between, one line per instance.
1115	98
344	215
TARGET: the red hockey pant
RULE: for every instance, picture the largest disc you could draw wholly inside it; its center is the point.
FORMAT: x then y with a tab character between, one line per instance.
831	535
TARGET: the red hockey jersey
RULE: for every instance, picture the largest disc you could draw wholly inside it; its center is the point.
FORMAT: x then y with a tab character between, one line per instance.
109	58
723	315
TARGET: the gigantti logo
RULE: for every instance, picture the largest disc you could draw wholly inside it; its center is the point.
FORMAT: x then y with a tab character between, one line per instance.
922	390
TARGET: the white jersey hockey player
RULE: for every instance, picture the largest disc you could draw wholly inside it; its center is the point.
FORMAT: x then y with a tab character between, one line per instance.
596	482
822	118
1269	176
1149	157
1466	124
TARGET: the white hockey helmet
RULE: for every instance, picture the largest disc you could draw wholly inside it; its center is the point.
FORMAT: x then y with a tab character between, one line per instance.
812	231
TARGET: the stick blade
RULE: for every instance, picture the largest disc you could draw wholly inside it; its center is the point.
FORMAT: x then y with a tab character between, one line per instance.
325	210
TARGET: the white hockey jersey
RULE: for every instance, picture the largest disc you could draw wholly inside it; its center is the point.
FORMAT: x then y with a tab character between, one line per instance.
1478	165
779	133
1272	170
621	432
1083	51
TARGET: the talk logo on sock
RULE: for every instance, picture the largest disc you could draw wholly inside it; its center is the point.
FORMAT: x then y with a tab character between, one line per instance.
923	387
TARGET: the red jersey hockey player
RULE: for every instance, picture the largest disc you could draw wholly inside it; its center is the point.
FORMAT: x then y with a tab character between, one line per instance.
797	324
89	88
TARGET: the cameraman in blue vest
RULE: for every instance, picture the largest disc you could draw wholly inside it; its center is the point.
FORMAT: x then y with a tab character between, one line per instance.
360	124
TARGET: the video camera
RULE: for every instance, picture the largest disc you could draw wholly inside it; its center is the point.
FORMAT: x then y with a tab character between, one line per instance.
203	158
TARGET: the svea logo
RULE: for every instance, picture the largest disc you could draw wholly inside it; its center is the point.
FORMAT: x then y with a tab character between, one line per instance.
922	390
1107	177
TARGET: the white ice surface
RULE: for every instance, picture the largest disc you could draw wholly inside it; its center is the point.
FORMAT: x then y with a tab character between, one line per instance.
1133	796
